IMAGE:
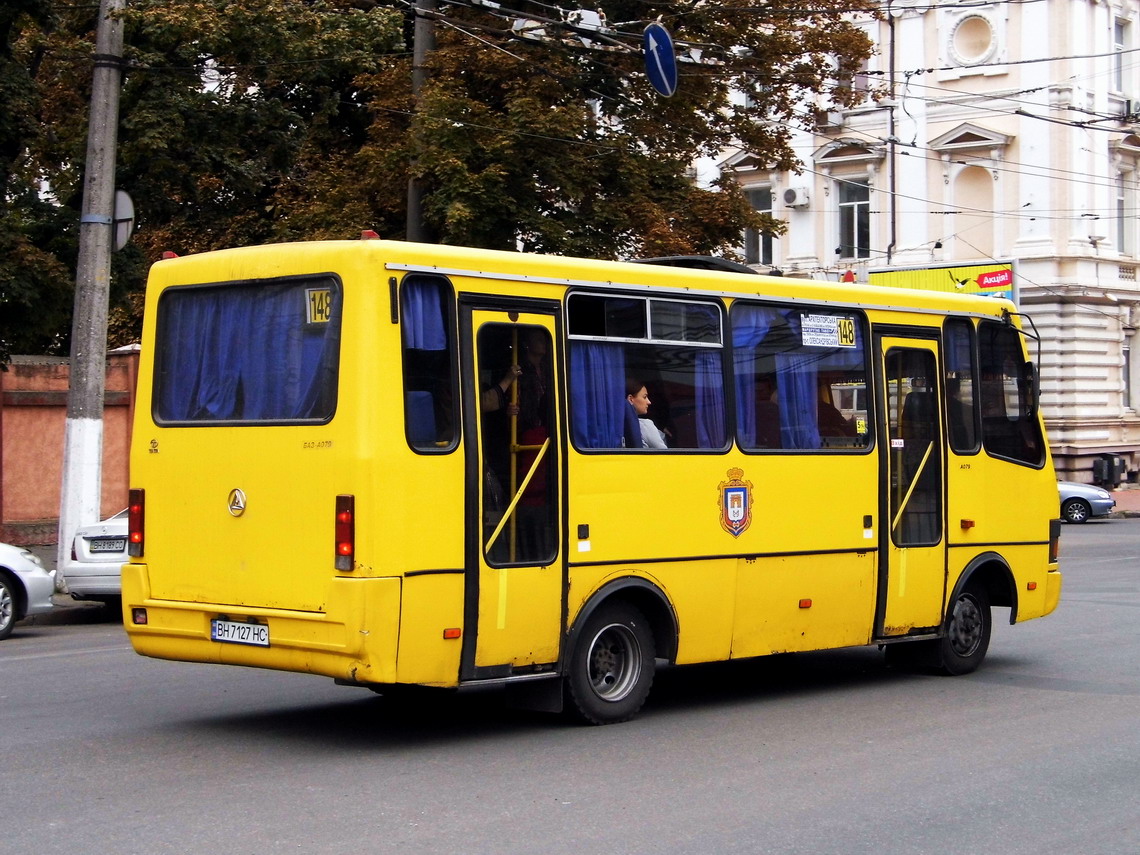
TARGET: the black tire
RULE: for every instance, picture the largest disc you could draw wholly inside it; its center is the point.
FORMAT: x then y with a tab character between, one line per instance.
612	666
1076	511
9	606
966	639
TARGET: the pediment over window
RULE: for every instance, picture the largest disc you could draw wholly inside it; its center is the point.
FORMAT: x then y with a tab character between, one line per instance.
1128	146
847	151
970	137
743	161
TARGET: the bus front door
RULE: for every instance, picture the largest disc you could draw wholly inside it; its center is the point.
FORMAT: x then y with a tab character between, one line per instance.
912	569
514	576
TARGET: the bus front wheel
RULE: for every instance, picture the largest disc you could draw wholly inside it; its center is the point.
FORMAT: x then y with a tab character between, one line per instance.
968	624
611	669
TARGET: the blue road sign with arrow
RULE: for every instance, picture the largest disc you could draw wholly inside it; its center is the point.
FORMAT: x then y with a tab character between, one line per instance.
660	61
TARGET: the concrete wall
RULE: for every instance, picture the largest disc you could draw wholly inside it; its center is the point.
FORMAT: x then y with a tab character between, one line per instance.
33	416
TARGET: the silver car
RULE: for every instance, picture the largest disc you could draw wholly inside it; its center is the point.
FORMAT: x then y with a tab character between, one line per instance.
1081	501
97	557
25	586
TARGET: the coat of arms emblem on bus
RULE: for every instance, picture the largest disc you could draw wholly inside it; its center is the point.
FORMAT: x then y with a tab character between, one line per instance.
735	503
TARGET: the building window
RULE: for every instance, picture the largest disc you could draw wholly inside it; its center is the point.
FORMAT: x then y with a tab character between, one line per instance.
1120	40
758	246
1125	215
1127	376
854	219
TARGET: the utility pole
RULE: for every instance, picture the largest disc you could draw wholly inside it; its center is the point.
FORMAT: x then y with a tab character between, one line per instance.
424	43
81	491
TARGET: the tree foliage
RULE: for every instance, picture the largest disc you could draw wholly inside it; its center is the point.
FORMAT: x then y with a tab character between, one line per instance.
251	121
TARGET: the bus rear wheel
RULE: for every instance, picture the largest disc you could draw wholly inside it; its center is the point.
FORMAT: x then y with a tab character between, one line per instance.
611	668
967	638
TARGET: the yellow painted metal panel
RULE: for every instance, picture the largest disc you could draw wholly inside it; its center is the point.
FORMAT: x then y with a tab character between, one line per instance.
793	603
431	605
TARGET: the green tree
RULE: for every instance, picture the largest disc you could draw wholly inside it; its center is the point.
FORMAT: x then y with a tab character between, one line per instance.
247	121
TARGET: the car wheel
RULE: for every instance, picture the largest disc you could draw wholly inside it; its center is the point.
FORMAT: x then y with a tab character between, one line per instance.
1076	510
8	607
611	669
967	638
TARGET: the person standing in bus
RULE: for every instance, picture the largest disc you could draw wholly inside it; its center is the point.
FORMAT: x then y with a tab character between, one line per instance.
638	397
535	415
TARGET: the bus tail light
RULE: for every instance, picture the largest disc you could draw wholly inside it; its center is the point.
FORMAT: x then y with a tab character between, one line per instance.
345	532
136	515
1054	541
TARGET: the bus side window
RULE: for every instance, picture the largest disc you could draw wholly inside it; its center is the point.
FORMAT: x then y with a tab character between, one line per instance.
961	412
1010	427
801	378
429	363
674	348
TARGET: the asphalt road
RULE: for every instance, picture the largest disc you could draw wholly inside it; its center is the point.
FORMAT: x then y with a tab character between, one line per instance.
102	751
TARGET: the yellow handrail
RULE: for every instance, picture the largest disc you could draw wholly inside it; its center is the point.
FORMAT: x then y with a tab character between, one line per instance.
913	484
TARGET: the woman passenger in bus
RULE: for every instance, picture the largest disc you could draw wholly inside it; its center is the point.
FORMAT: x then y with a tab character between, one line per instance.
830	421
638	397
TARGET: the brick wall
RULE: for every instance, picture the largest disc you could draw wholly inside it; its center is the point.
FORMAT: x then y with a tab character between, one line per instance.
33	417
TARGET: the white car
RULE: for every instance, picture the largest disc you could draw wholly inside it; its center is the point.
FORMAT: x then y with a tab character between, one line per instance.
97	556
25	586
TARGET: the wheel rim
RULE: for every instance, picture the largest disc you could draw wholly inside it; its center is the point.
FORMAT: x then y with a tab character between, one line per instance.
966	626
614	662
5	606
1077	512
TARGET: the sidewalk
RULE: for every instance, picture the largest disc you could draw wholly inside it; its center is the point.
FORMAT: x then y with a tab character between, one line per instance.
1127	502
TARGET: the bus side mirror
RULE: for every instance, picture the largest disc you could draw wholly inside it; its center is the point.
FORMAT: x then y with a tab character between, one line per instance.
1032	389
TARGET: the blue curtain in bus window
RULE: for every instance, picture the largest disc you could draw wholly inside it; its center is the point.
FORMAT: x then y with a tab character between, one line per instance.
424	316
186	344
750	324
246	354
799	394
597	394
710	400
288	378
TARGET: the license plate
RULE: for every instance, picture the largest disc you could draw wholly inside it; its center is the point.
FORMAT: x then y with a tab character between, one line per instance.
117	545
232	632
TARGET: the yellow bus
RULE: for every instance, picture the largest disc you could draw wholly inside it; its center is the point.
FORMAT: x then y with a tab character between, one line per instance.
404	465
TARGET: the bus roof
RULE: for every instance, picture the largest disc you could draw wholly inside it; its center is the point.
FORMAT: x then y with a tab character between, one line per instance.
269	260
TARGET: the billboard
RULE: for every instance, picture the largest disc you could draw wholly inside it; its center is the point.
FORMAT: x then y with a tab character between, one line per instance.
992	279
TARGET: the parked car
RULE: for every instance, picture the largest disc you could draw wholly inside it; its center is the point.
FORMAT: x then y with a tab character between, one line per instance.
97	555
1081	501
25	586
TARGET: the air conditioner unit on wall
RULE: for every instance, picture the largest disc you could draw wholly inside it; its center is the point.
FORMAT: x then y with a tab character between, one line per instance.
796	197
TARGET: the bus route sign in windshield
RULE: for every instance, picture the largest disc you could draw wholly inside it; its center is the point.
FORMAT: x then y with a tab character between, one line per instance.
827	331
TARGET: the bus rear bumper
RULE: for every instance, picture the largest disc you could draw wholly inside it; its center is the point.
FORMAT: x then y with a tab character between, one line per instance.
354	638
1052	591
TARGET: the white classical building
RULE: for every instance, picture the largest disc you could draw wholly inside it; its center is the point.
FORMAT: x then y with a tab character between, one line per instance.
998	132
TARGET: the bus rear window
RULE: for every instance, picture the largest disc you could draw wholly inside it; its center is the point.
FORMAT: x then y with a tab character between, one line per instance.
249	352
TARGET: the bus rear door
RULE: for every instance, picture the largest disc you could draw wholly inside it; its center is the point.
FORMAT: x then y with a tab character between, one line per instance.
514	586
